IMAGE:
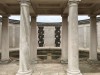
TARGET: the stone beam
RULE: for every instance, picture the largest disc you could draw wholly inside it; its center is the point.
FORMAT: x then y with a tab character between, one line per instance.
3	8
34	9
95	9
65	10
2	11
90	1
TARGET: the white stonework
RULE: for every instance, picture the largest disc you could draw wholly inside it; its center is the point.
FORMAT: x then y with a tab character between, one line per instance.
33	39
93	38
64	53
49	36
24	60
5	39
73	52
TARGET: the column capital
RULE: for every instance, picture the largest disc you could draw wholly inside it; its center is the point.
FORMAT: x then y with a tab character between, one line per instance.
64	15
73	1
92	15
24	1
33	16
5	16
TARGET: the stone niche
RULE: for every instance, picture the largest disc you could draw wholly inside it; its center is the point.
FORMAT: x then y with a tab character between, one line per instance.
49	36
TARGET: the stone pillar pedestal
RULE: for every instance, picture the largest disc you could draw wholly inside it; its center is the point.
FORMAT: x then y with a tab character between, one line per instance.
49	57
64	56
73	52
93	38
5	39
33	39
24	60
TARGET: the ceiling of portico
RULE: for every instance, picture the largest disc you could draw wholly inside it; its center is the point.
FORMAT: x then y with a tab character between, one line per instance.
52	7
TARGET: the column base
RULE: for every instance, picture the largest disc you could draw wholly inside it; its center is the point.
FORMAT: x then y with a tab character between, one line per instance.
5	61
93	61
25	73
34	61
74	72
64	61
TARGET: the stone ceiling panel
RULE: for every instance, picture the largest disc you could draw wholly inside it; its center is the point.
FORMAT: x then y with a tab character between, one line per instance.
9	1
51	7
90	1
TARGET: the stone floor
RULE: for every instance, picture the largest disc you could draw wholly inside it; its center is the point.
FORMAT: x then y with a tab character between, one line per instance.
53	67
87	68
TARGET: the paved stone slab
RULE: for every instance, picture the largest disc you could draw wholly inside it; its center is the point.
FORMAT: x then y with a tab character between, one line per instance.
50	69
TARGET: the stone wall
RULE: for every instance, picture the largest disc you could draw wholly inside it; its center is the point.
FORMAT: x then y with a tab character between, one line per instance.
84	36
49	36
13	35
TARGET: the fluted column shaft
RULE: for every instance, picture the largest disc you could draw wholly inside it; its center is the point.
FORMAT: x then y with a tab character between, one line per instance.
93	38
33	39
24	60
73	52
5	39
64	57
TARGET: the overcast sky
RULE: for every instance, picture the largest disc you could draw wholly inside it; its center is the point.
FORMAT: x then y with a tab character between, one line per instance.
49	18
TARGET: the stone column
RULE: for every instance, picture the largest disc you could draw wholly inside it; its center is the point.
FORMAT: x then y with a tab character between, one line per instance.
73	52
13	36
64	57
33	39
24	60
93	38
85	27
5	39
